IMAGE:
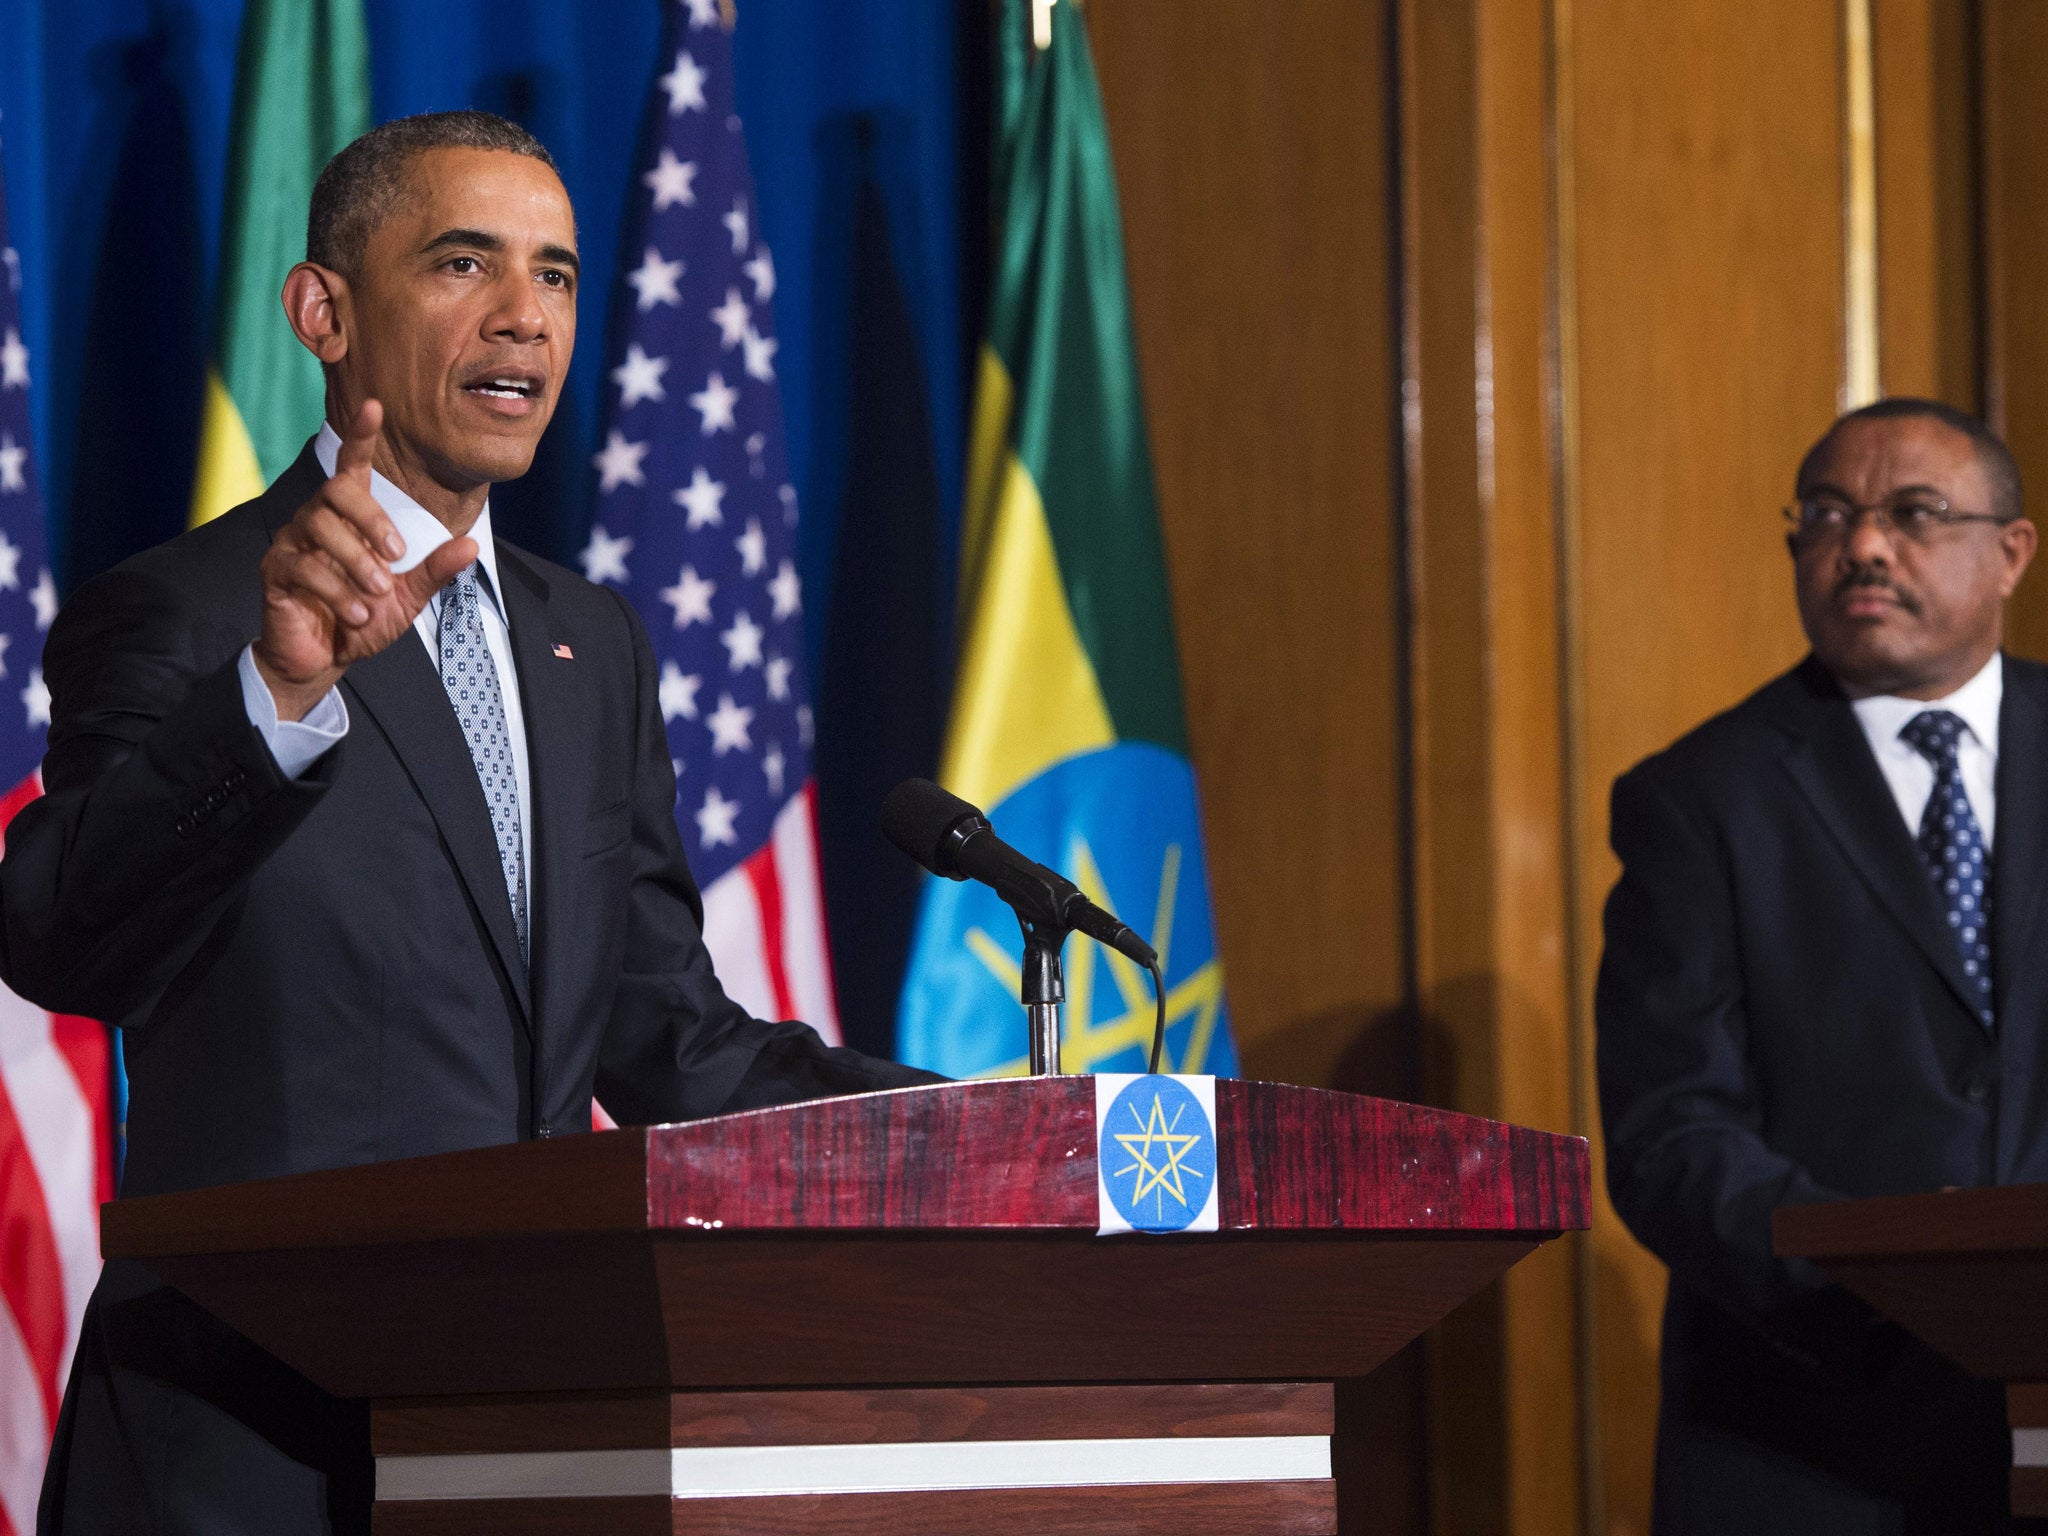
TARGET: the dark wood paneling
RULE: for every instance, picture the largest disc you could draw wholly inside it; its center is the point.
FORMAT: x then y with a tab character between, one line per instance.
1252	157
556	1315
528	1517
567	1184
2013	1219
1230	1309
1708	243
1965	1269
2026	1404
1488	719
2030	1492
557	1423
1984	1314
1706	154
1306	1508
2013	54
1927	218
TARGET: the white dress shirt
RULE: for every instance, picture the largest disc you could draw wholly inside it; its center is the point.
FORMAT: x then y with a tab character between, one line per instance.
296	744
1911	776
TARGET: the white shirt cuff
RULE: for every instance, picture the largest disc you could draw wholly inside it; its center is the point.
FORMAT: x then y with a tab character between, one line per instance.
296	744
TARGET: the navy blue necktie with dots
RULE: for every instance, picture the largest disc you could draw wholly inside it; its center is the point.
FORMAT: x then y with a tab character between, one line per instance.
472	683
1952	844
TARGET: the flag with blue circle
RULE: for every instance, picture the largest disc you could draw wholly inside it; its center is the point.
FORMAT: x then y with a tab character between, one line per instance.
1067	724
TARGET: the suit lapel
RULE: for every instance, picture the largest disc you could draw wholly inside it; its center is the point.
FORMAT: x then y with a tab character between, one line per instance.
2019	854
554	709
291	490
1831	762
401	690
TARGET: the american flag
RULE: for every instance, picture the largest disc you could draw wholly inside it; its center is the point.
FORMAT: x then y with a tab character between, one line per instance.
696	521
56	1162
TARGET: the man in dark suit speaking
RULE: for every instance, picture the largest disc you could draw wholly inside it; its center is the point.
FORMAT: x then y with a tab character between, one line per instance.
361	824
1824	978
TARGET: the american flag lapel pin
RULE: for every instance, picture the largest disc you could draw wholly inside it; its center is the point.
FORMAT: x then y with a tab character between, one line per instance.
564	652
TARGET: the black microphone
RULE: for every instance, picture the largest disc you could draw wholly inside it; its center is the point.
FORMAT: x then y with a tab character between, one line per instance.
950	837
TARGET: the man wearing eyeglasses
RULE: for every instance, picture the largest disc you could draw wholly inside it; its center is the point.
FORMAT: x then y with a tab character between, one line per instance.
1826	976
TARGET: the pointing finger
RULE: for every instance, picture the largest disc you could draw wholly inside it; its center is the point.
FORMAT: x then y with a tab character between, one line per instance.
315	576
360	443
344	545
352	500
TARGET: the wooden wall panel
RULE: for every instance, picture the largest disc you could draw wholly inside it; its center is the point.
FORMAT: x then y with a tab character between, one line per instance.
1416	661
1453	774
2014	52
1927	205
1706	156
1251	150
1487	775
1545	1388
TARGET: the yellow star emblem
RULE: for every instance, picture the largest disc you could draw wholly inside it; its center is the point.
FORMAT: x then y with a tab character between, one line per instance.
1164	1177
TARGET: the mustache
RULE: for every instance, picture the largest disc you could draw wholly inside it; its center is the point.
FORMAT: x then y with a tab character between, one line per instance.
1870	576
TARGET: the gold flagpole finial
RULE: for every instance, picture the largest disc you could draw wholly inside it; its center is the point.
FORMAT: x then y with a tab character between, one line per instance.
1041	24
1862	379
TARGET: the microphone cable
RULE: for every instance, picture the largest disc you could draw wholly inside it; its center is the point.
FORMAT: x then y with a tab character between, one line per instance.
1159	1023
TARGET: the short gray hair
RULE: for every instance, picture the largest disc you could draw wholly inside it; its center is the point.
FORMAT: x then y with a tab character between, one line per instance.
361	185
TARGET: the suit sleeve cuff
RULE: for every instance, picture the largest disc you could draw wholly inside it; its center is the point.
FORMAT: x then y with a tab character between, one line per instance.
296	744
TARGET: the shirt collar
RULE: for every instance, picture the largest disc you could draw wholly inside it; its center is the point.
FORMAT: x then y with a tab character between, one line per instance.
1976	702
422	531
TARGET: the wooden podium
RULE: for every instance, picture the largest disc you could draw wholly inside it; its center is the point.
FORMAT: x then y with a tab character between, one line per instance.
1967	1271
884	1313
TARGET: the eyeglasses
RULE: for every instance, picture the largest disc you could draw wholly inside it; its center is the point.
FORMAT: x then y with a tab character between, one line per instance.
1821	521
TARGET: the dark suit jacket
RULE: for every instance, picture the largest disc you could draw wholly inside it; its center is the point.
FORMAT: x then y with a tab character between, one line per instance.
1783	1018
324	972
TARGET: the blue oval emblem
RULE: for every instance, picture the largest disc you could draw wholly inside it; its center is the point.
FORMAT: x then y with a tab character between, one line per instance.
1157	1155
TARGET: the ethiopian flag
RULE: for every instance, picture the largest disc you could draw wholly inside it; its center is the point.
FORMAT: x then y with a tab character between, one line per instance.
1066	722
302	91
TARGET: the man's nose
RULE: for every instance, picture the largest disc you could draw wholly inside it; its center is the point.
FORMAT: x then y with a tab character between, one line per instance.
517	315
1869	540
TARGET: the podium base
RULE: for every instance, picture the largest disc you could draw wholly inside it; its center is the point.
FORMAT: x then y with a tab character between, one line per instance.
2026	1407
1051	1460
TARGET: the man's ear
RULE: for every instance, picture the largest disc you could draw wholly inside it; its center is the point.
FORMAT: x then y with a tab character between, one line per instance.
316	302
2016	542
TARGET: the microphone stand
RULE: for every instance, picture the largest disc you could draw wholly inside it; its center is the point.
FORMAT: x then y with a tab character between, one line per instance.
1043	991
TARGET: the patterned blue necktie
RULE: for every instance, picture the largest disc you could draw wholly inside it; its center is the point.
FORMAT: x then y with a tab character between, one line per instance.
1952	845
472	683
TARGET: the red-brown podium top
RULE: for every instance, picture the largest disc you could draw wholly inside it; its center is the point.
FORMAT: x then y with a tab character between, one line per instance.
1008	1155
942	1234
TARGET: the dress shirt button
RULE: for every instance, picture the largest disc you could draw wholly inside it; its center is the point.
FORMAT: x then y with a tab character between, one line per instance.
1978	1088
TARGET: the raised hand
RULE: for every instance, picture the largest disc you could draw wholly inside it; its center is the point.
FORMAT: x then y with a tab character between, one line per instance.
329	595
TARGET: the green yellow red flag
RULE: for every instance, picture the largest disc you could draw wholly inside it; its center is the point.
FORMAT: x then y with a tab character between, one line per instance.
302	91
1066	723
